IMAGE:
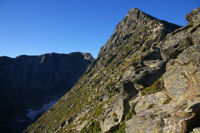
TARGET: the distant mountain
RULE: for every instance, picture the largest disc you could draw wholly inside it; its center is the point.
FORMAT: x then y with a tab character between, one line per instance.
146	79
29	85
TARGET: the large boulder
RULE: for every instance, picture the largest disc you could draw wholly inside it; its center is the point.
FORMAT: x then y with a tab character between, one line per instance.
182	78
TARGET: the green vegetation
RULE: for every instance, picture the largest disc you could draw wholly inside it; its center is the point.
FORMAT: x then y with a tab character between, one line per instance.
120	131
111	84
114	114
128	116
106	73
151	106
98	110
94	127
166	101
121	128
157	86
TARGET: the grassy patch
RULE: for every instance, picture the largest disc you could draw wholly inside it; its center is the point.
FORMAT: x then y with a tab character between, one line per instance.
150	106
111	84
121	128
157	86
128	116
94	127
114	115
98	110
166	101
120	131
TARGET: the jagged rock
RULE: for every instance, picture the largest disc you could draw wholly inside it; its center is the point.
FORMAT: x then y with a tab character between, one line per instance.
128	88
114	117
82	125
194	16
70	119
134	23
182	83
176	43
182	78
138	86
154	63
153	54
150	101
128	75
171	117
196	130
63	124
148	76
183	37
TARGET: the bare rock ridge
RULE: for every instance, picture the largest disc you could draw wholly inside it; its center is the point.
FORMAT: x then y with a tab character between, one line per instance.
29	85
146	79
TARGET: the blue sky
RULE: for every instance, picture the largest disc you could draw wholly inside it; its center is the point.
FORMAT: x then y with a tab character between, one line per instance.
34	27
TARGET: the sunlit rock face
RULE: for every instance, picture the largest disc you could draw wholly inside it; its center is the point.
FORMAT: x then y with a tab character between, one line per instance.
146	79
29	85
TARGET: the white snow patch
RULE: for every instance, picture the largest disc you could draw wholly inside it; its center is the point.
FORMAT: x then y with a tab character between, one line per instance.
20	121
32	114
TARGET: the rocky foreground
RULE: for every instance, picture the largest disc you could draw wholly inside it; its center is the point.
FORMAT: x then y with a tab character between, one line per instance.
29	85
146	79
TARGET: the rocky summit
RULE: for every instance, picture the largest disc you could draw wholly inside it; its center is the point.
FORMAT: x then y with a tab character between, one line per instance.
29	85
146	79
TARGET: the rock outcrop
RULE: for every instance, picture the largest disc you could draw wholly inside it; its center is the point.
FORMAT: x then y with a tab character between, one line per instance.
145	79
29	85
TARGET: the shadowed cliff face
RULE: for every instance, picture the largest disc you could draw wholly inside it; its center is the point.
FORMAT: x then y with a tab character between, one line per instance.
29	85
145	79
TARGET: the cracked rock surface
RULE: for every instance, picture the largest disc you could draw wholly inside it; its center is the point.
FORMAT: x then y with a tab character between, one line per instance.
145	79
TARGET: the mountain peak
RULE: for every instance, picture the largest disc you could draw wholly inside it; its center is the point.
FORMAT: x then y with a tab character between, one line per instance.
147	68
136	13
137	25
133	18
193	16
134	10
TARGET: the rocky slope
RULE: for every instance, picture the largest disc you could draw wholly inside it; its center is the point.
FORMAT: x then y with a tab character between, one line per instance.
29	85
145	79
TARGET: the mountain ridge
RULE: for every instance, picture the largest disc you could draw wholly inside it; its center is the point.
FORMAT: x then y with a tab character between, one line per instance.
145	79
29	85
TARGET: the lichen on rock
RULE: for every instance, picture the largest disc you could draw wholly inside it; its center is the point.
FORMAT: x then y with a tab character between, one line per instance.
145	79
